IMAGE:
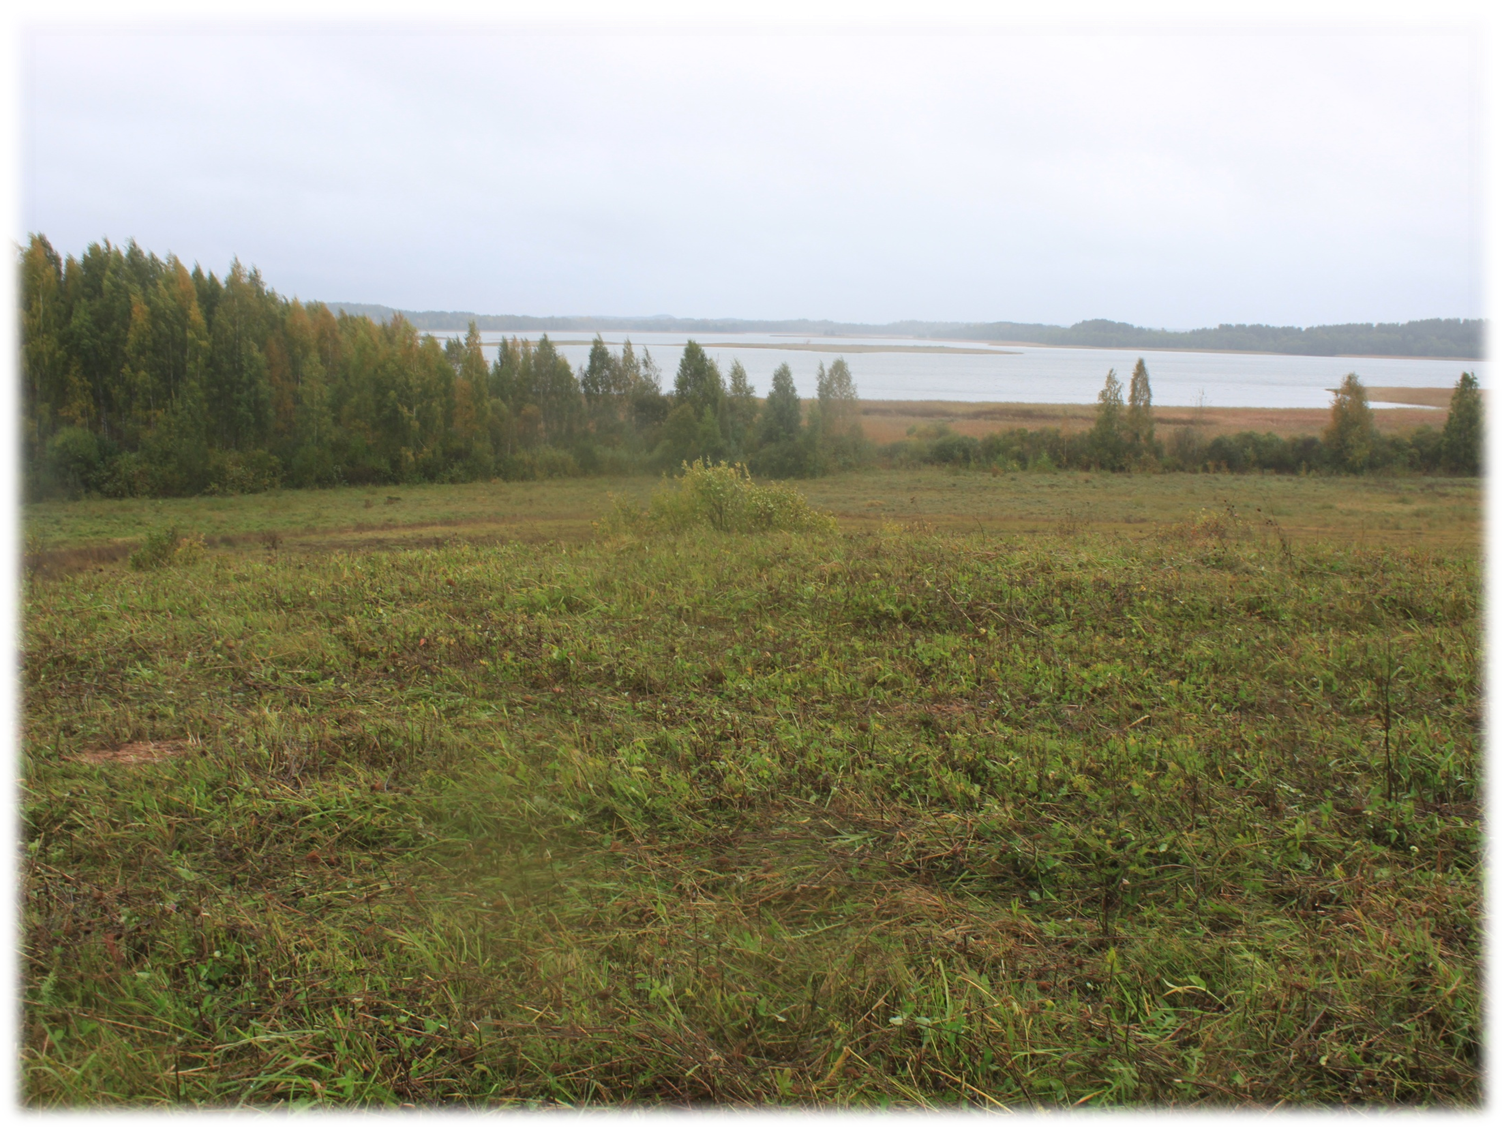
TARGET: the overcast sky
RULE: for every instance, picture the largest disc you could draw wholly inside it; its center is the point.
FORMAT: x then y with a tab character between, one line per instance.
1172	180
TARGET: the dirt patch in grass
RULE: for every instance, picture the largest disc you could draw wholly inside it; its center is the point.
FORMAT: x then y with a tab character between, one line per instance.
137	752
62	562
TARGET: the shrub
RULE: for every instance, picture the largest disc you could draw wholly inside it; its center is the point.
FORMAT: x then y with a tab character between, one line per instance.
951	449
722	497
787	458
73	457
243	472
167	548
314	465
127	475
533	464
550	462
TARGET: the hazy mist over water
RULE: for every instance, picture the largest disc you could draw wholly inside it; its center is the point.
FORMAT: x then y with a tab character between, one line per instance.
1030	374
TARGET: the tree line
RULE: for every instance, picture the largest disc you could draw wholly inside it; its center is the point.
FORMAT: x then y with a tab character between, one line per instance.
141	377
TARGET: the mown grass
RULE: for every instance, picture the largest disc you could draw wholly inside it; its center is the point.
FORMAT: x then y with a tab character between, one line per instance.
894	816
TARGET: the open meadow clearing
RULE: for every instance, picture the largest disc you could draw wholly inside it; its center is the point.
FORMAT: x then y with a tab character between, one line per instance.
1013	790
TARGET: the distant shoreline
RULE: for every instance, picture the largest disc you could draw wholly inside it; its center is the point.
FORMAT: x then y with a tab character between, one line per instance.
1250	352
972	348
955	346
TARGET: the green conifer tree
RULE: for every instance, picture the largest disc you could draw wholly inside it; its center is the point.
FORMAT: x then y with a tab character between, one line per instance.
1105	443
741	412
598	384
1141	446
557	394
782	412
781	451
1462	435
699	382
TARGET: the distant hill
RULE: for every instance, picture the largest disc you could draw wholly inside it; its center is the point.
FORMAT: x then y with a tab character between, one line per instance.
1433	337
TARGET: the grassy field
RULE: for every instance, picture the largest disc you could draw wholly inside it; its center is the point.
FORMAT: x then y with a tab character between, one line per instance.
1396	512
1022	791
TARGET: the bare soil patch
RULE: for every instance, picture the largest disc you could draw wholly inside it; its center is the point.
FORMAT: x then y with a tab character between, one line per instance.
61	562
137	752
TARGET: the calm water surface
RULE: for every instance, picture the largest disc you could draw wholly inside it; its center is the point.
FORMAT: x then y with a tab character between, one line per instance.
1033	374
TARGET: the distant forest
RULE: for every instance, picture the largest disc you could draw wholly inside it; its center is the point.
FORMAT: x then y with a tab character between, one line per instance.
142	378
1433	337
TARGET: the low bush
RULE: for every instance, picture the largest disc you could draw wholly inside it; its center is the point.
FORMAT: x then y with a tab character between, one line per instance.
167	548
243	472
723	497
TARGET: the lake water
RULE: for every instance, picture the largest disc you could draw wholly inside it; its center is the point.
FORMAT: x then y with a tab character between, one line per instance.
901	368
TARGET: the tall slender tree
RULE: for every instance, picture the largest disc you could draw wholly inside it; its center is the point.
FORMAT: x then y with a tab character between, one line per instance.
649	406
1349	437
598	381
239	393
472	404
782	412
698	382
1462	434
783	452
741	411
838	416
840	411
556	393
1106	442
1140	419
628	368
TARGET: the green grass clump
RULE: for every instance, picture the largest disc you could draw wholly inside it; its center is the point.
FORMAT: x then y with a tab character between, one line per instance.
1184	815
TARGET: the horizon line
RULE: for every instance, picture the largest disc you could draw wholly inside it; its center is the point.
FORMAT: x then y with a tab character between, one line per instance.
915	321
